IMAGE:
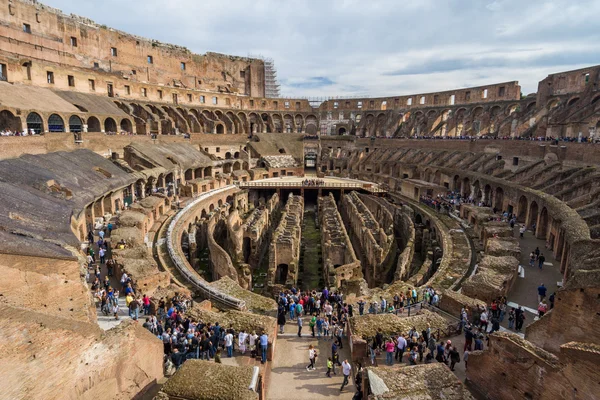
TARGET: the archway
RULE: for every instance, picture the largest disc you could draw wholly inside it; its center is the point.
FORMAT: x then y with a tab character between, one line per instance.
487	192
220	129
342	131
35	123
126	125
110	125
56	123
93	124
281	274
466	188
456	183
207	172
533	215
522	209
75	124
227	168
8	122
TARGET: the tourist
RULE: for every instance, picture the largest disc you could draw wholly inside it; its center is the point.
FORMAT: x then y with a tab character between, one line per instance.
242	341
312	323
229	344
346	370
412	359
542	309
292	310
329	367
335	356
541	292
312	355
511	318
361	307
531	259
519	319
541	260
466	357
299	322
401	344
454	358
389	352
319	327
264	344
339	334
522	231
281	318
326	329
373	353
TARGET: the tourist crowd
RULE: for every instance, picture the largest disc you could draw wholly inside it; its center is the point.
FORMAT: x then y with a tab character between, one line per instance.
313	182
8	132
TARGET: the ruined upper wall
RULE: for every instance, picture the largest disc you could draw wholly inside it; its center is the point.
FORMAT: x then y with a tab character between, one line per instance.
80	42
482	94
568	82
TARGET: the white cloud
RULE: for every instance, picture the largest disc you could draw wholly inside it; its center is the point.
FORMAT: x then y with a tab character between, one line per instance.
352	47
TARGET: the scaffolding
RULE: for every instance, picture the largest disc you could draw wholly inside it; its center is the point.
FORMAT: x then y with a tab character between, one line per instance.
271	84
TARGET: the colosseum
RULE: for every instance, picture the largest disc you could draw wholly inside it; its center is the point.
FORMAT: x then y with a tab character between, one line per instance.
169	230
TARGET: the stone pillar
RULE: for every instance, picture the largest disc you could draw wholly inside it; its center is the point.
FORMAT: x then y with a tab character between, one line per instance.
192	243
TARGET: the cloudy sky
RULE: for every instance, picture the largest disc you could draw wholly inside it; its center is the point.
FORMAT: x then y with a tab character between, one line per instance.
372	47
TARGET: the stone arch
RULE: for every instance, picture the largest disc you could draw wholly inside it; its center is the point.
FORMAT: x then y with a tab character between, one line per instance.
126	125
35	123
418	219
93	124
553	103
244	123
531	106
9	122
227	168
572	101
311	125
237	166
211	208
512	108
341	131
522	209
207	172
228	155
466	188
595	99
288	122
203	214
456	183
189	174
277	123
110	125
220	128
56	123
281	274
75	124
487	193
220	203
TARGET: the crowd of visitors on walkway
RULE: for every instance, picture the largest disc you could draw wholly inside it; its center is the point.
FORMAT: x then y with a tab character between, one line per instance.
313	182
186	338
8	132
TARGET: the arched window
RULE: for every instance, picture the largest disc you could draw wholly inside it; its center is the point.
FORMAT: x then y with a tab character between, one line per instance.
35	123
75	124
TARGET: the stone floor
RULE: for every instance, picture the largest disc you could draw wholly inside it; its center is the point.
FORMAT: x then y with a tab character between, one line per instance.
524	290
288	377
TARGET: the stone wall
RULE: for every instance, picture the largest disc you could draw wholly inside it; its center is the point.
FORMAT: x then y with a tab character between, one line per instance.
339	261
46	356
285	245
375	240
49	286
512	368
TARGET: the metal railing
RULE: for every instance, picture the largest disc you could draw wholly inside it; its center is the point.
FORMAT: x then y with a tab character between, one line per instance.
183	266
300	185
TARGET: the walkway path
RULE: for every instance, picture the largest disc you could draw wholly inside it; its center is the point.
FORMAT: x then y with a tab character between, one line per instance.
524	291
288	377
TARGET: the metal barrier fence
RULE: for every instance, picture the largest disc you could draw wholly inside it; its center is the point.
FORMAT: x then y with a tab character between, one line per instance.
300	185
183	266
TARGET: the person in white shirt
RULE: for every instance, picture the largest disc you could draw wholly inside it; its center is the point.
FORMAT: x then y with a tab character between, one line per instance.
312	355
400	348
242	341
229	344
346	370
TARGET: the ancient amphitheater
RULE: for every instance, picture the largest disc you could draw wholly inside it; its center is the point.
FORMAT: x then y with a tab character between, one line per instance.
216	203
